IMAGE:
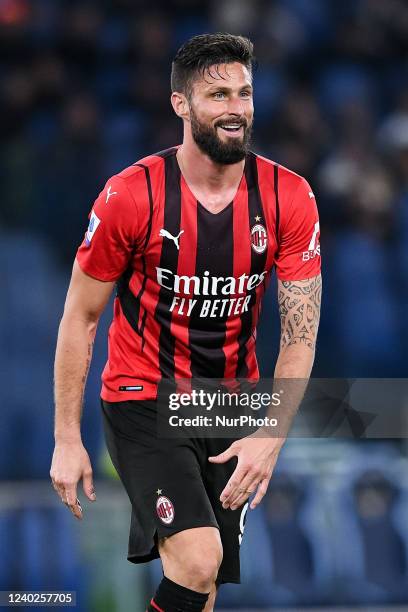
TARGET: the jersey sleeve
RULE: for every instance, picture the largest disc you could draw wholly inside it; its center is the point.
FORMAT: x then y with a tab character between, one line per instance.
112	233
298	255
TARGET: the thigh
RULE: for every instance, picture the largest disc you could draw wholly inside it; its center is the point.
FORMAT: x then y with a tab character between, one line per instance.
189	546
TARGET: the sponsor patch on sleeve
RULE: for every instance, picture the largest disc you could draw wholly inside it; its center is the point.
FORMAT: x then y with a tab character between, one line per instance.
94	221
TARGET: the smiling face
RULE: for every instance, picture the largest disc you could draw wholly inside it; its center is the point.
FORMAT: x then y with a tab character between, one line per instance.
221	112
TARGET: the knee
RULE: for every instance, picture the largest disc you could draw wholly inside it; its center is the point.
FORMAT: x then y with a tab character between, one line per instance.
201	570
195	566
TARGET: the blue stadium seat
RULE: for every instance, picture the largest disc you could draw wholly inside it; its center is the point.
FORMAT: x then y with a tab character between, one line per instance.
48	553
39	551
371	534
365	318
26	374
344	84
9	558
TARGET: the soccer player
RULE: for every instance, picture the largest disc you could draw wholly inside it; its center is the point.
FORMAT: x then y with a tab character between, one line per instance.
189	236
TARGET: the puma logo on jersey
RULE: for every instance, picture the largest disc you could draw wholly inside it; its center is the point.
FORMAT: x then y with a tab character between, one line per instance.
165	234
109	193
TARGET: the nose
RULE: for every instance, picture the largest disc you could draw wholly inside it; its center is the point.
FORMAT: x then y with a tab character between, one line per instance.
236	106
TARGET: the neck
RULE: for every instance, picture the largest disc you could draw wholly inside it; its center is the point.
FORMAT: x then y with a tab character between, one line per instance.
201	172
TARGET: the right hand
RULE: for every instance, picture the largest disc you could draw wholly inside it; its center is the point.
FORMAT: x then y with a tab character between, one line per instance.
70	463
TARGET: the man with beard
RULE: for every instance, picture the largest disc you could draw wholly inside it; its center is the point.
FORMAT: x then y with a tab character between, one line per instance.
190	236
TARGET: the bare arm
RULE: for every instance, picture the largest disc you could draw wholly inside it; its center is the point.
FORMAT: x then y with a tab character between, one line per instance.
299	307
86	299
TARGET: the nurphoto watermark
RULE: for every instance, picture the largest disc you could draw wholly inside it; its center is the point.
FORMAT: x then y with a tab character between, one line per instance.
315	408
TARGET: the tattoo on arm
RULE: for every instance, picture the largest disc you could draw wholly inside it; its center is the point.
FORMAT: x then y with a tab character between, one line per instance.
87	366
299	309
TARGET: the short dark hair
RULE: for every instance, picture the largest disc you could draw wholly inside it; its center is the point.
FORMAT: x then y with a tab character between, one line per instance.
200	52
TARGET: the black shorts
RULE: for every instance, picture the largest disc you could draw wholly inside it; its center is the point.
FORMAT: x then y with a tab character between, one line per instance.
171	484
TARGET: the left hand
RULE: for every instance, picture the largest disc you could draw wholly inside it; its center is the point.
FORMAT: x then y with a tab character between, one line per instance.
257	457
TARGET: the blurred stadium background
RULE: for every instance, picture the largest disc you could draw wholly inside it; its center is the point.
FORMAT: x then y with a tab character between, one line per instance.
85	92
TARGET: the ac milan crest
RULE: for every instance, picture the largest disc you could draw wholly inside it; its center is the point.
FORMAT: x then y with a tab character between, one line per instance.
259	238
165	510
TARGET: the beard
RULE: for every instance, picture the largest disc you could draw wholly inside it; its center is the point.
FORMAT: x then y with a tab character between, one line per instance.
206	138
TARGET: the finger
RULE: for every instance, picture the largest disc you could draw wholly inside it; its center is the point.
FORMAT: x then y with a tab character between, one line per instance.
55	487
88	486
262	488
225	456
71	494
76	509
66	498
63	496
60	491
249	481
247	488
234	483
73	501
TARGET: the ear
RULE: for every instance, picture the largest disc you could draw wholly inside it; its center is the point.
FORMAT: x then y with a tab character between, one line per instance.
180	105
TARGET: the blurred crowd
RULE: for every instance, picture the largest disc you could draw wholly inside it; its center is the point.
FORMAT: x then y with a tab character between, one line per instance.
85	92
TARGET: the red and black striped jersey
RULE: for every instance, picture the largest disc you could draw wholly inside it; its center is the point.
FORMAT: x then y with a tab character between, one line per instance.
190	282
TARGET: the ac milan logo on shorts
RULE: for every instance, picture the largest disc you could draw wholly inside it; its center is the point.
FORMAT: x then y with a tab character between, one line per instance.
259	238
165	510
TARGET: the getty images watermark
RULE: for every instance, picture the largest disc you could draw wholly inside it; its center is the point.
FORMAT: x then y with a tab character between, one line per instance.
315	408
209	401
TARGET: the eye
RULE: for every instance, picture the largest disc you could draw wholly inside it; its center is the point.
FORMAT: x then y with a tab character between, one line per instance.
219	95
245	94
